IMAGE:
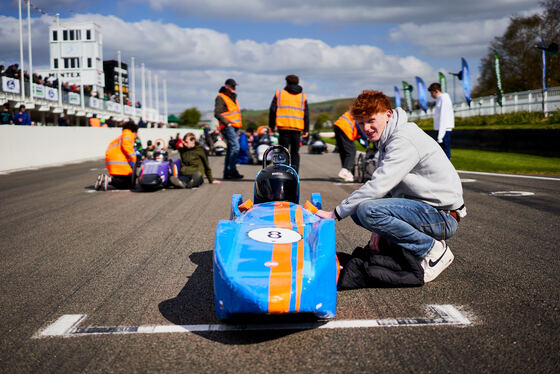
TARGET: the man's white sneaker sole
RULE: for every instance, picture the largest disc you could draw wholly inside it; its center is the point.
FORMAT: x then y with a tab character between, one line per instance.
435	264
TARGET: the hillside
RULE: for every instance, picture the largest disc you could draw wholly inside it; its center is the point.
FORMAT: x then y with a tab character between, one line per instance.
329	110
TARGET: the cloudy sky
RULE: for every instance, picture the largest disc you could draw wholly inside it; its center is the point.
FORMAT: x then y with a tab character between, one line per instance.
336	47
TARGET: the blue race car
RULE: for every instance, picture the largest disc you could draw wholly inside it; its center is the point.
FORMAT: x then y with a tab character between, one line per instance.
276	256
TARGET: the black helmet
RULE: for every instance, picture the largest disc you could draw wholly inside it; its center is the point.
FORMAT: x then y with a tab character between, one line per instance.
278	182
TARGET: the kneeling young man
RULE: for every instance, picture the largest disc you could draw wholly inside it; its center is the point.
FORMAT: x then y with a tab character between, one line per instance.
414	199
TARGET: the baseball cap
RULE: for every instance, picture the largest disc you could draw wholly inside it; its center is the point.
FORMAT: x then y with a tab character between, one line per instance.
231	82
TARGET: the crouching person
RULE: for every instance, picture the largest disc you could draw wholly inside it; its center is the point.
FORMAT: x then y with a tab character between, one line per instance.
194	164
120	160
413	202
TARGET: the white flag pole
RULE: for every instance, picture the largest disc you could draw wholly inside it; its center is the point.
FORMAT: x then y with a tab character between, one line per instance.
133	86
157	97
29	50
21	55
143	93
165	101
120	82
58	76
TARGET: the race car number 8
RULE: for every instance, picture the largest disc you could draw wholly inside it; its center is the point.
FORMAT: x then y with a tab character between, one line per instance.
274	235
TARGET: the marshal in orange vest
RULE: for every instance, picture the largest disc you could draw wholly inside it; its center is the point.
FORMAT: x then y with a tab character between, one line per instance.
346	123
233	113
120	153
290	110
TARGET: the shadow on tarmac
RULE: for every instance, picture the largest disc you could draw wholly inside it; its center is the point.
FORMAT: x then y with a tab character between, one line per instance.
195	305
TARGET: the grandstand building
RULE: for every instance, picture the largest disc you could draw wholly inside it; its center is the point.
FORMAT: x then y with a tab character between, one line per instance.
76	52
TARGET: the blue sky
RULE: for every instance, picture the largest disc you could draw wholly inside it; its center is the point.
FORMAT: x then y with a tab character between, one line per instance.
338	48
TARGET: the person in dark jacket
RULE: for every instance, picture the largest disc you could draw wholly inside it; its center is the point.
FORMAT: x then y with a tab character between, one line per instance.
228	114
193	164
5	115
289	113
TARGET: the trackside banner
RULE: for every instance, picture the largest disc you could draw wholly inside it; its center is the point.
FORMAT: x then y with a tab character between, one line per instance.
499	91
407	90
442	82
422	94
466	80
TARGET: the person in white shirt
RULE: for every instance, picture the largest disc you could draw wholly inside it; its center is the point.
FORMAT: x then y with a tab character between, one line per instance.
444	119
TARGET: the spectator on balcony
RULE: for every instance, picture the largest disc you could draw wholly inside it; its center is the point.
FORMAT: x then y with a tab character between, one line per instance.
11	71
62	120
22	117
141	123
5	115
2	70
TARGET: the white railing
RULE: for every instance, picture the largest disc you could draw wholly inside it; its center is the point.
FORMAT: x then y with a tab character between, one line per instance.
526	101
45	99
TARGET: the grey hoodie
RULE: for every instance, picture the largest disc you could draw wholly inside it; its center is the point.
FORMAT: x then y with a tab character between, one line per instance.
411	165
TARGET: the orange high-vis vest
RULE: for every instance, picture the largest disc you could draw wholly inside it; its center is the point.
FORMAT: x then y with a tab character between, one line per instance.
290	110
346	123
95	122
233	113
120	153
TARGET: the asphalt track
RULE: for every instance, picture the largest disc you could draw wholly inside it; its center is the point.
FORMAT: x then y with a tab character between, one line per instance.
133	259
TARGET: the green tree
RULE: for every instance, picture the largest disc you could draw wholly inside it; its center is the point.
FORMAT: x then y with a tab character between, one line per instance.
190	116
520	60
321	119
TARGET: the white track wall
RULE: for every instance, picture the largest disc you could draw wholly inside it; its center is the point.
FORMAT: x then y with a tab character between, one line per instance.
39	146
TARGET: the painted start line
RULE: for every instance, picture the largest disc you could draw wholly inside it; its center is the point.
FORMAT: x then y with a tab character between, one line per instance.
67	324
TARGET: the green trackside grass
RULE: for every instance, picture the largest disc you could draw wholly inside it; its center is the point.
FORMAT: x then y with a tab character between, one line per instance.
476	160
504	162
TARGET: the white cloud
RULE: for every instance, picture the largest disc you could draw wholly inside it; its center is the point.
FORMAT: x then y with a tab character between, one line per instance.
451	39
349	11
195	62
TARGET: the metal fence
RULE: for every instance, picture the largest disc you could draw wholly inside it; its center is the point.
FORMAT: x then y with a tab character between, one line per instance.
526	101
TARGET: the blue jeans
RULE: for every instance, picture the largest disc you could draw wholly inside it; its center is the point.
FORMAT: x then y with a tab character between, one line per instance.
410	224
446	144
232	140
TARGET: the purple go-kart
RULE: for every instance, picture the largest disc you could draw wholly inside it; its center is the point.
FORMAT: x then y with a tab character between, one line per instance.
154	174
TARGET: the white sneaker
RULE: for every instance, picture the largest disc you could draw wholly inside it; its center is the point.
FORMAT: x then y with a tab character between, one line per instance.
437	260
98	182
346	175
105	183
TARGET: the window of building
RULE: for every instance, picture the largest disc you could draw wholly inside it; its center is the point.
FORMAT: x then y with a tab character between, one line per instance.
73	63
89	62
66	63
55	63
88	34
65	35
78	34
71	34
54	35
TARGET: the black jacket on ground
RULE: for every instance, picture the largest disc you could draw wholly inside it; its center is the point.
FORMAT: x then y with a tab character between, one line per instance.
392	267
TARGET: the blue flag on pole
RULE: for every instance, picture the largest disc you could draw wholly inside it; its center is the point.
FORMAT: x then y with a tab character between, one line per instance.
397	97
466	78
422	94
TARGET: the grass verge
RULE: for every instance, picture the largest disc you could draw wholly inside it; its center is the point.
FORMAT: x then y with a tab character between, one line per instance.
496	162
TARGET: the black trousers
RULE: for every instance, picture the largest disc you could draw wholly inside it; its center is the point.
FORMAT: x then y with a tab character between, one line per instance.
122	182
346	149
290	140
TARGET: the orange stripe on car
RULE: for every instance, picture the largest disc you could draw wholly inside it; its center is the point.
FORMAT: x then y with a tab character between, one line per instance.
300	250
280	284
